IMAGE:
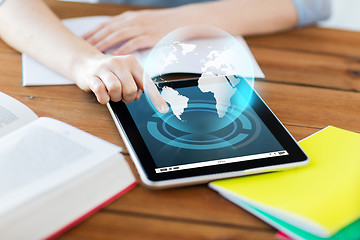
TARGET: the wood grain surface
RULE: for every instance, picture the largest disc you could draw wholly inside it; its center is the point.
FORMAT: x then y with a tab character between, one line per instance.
312	81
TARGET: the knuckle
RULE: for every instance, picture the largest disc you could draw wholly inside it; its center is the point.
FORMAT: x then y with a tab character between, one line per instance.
130	16
116	97
97	89
131	59
139	17
113	88
129	92
100	93
102	100
111	28
108	64
115	63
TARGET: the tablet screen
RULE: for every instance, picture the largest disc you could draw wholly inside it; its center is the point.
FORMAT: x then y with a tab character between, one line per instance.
245	139
253	139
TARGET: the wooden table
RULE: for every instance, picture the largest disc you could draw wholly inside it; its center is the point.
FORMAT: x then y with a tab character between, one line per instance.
312	81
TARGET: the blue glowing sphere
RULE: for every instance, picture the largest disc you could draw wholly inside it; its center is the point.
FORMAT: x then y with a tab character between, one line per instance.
204	74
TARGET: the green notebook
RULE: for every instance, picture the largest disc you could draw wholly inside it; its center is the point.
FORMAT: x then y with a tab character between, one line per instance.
319	201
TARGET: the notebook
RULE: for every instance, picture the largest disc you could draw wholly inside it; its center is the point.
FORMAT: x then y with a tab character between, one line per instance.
320	199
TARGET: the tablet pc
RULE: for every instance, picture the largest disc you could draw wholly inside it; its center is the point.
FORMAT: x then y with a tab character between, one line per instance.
254	142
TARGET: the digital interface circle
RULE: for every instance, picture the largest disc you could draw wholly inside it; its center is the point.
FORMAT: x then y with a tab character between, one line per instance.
224	84
238	134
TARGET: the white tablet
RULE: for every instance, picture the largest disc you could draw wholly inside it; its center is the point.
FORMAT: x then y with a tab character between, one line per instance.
165	156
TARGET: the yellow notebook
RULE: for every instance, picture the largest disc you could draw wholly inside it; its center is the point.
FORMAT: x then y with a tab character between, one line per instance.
321	198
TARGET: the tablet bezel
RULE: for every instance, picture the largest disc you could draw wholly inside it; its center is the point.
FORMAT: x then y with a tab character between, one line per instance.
146	165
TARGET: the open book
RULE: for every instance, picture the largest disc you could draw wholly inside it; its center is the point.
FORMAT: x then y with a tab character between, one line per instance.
320	201
52	175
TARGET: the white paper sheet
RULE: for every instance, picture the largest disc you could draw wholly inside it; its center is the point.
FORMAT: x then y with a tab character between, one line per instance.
35	73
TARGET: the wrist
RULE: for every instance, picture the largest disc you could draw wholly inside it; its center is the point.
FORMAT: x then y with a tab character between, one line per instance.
82	64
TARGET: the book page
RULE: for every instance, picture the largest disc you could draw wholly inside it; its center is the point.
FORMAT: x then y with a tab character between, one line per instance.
13	114
34	73
42	156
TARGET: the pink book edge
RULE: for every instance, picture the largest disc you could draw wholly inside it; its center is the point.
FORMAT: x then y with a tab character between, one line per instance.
91	212
282	236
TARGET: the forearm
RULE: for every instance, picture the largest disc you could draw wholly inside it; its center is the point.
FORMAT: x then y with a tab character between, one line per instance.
243	17
30	27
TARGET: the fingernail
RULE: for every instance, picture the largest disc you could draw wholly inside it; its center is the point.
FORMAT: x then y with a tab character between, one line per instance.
138	95
164	108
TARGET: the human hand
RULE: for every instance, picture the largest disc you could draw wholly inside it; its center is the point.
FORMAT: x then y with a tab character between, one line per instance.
117	78
135	29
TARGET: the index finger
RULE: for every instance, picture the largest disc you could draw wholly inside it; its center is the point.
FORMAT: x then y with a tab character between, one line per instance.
154	95
145	83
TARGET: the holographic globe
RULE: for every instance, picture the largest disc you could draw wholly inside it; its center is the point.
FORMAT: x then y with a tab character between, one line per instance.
204	74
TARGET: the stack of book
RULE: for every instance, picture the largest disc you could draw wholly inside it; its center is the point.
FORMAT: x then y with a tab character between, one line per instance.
320	201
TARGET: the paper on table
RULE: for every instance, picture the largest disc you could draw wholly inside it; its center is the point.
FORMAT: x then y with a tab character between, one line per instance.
35	73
